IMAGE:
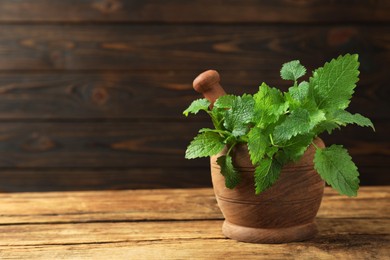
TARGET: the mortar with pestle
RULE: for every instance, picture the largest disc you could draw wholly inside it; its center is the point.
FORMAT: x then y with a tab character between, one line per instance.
283	213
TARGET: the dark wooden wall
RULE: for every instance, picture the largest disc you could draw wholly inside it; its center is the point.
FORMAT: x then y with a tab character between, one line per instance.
91	91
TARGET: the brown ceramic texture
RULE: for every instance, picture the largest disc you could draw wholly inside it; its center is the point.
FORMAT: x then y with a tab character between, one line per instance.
283	213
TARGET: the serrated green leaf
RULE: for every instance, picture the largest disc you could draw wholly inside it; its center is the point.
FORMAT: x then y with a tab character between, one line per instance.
300	93
292	70
297	146
217	116
334	83
266	174
225	101
257	144
230	140
232	176
316	117
238	117
196	106
281	157
269	105
298	122
336	167
205	144
292	103
325	126
343	118
271	150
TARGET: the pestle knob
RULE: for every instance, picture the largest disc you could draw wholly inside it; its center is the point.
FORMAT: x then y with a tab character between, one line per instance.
207	83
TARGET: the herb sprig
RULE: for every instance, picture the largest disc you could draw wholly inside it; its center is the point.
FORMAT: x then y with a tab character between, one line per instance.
279	126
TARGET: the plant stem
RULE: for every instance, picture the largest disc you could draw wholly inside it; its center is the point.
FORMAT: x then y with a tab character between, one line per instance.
314	145
219	131
230	148
213	119
272	140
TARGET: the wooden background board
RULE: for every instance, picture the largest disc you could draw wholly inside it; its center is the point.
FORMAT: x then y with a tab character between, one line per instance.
91	92
171	11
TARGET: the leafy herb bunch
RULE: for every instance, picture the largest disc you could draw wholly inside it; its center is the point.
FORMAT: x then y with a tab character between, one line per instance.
279	126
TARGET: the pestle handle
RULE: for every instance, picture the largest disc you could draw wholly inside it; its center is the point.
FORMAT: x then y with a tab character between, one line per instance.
207	83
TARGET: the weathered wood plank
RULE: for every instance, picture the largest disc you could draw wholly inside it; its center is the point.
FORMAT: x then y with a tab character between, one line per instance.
331	246
192	47
127	205
173	204
96	144
142	144
194	11
146	95
25	180
41	179
359	231
87	233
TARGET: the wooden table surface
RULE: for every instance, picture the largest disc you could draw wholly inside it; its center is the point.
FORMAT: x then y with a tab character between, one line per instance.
177	224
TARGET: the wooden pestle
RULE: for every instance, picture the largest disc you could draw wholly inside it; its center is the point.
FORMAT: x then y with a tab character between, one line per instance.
207	83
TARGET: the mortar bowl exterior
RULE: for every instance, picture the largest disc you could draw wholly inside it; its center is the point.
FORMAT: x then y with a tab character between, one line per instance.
283	213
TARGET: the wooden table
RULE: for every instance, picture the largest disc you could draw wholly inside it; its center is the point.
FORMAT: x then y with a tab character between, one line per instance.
177	224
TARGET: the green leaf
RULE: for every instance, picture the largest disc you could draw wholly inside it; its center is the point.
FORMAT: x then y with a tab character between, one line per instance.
238	117
271	150
297	146
300	93
225	101
230	140
257	144
269	105
334	83
292	70
196	106
343	118
316	117
325	126
232	176
266	174
217	116
301	96
337	168
298	122
205	144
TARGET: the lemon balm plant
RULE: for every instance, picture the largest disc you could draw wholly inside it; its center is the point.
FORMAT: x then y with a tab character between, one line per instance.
278	127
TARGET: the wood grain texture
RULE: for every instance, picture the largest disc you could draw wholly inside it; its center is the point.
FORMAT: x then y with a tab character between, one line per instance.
360	246
63	179
186	223
146	95
106	206
85	85
163	204
140	144
96	144
88	233
172	11
192	47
